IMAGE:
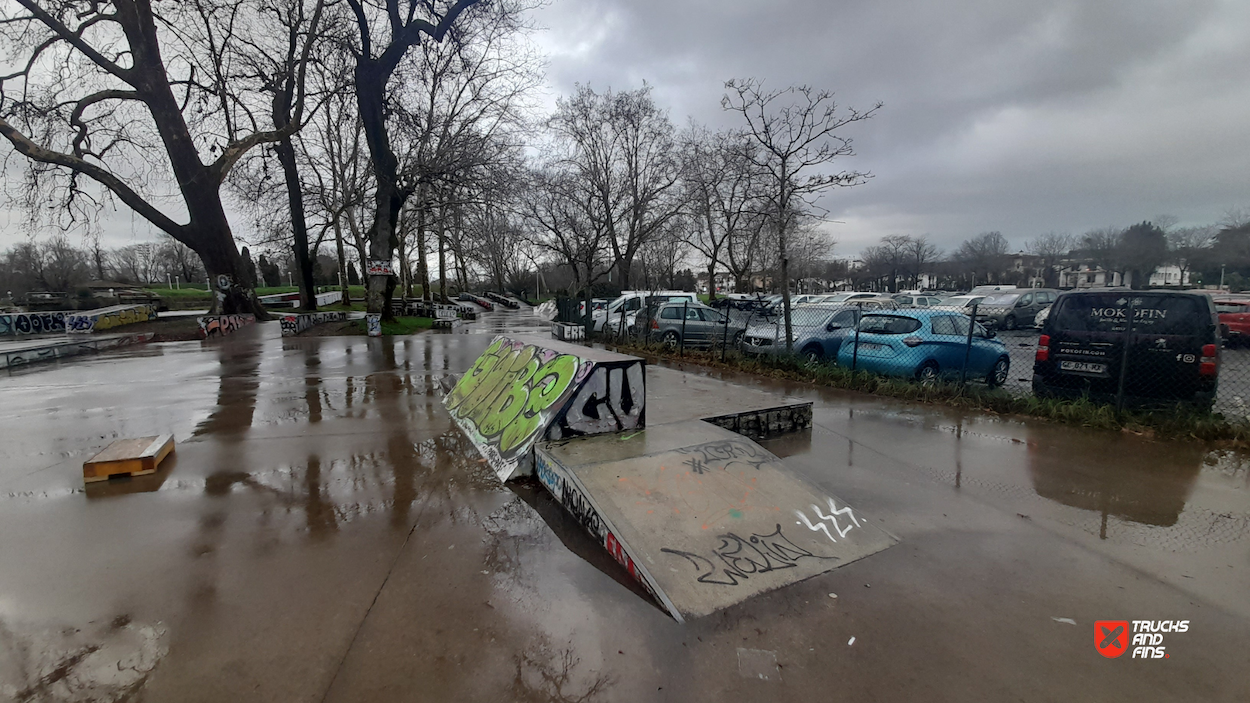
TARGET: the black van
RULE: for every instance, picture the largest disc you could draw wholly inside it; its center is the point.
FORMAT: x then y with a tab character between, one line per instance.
1173	353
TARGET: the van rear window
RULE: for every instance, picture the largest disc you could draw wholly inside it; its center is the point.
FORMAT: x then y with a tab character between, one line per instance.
1151	314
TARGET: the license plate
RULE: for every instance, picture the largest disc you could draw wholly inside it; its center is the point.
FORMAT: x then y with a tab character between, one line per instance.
1082	367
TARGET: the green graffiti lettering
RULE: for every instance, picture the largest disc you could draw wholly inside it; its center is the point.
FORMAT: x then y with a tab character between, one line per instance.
474	376
509	403
489	384
550	382
513	367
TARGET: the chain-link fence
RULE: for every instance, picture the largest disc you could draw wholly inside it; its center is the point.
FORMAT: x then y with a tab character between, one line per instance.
1129	349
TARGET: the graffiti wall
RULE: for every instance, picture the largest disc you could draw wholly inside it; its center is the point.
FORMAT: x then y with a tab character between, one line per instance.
373	322
294	324
212	326
108	318
612	399
20	323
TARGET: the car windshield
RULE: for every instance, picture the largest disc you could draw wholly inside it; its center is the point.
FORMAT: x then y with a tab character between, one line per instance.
888	324
838	298
1001	299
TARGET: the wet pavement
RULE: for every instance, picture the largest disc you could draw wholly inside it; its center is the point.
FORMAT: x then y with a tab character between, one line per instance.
323	532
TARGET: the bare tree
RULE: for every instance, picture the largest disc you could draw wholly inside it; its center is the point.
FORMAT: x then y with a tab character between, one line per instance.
920	255
985	256
1190	247
797	128
622	144
722	186
559	215
1050	247
98	85
386	30
1102	246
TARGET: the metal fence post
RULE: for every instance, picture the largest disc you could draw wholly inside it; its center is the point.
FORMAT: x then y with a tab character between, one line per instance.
620	334
1128	340
855	349
724	339
681	343
972	324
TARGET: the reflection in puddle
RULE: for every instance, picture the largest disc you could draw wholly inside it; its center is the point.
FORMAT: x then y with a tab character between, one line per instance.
98	662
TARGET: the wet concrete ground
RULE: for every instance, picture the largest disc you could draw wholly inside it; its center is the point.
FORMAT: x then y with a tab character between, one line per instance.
324	533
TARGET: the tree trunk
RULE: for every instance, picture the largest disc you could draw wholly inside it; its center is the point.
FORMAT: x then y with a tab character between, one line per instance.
338	246
299	225
442	253
388	199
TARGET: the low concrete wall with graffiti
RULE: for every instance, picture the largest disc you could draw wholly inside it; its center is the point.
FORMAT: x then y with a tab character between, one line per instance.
108	318
296	323
64	348
213	326
22	323
524	389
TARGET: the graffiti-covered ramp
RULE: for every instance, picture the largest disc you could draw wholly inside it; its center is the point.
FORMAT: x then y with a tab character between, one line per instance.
703	517
523	389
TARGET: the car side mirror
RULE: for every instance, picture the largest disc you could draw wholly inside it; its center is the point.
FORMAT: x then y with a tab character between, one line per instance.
990	334
831	327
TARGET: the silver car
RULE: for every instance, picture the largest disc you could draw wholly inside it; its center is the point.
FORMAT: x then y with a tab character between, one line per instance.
818	331
694	326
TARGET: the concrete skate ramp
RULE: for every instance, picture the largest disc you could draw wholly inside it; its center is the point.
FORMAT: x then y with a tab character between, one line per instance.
702	517
522	389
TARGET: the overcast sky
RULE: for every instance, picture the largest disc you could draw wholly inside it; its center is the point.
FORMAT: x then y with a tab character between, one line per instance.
1022	117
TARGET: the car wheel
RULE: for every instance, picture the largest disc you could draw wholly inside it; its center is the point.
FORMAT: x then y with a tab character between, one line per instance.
998	375
928	372
1009	323
671	339
812	354
737	343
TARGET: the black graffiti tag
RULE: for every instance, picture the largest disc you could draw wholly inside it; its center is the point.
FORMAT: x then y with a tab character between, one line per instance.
723	454
739	558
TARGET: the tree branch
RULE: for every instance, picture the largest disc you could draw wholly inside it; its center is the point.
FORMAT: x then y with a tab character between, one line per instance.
33	151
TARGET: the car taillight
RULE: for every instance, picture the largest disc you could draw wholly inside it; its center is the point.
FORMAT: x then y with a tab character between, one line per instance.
913	341
1207	366
1043	348
655	324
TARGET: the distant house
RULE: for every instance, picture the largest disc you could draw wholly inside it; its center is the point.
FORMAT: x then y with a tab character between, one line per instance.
724	282
1087	275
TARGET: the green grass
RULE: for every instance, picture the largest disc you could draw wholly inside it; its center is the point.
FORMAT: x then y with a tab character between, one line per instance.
1178	422
400	326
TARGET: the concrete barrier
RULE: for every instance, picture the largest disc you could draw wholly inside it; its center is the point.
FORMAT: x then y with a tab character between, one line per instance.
568	331
108	318
21	323
291	300
294	324
51	350
521	390
213	326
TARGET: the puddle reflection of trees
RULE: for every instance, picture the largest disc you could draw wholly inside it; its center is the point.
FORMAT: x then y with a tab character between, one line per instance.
555	675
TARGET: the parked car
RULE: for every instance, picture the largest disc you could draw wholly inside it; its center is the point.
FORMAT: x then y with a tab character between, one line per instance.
962	303
1172	356
836	298
613	324
925	345
1012	309
703	326
1040	319
818	332
911	300
1234	315
632	301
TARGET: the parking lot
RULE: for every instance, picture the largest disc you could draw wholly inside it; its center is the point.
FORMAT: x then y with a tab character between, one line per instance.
1233	396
